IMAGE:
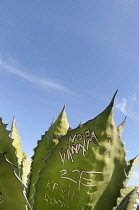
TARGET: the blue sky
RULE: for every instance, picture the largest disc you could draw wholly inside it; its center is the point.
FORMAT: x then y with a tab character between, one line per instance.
76	53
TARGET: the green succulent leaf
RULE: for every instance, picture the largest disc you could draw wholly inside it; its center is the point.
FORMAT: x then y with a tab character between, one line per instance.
121	127
16	141
26	170
11	189
6	144
131	164
50	139
129	200
123	193
82	171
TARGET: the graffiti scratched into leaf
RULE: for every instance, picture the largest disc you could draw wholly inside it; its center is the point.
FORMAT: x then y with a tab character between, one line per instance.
82	145
79	177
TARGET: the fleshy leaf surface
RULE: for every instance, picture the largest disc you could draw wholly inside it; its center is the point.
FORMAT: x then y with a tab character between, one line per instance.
82	171
130	201
50	139
11	189
16	141
6	144
26	170
131	164
123	193
121	127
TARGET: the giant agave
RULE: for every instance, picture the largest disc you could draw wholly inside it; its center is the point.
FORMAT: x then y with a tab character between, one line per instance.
81	168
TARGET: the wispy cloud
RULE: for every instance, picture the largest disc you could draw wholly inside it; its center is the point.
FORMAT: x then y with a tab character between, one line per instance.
135	175
122	105
127	105
8	67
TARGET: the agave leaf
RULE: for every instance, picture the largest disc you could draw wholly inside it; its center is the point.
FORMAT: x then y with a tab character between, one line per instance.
121	127
123	193
26	170
82	171
6	144
11	189
50	139
16	142
131	164
129	201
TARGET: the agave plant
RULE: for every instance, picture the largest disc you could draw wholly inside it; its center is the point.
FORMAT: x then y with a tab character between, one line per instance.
81	168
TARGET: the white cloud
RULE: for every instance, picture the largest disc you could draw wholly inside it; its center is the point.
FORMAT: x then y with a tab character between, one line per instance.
122	105
127	105
5	66
135	174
